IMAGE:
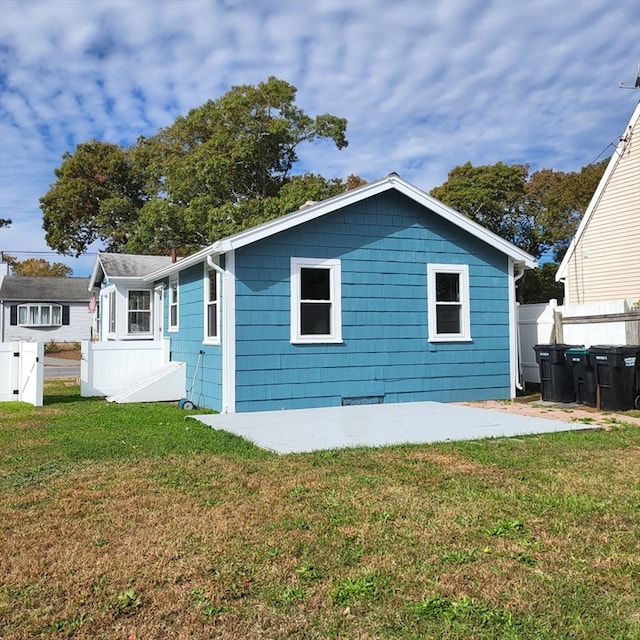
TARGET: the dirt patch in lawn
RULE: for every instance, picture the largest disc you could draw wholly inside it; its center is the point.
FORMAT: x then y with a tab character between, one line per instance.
565	412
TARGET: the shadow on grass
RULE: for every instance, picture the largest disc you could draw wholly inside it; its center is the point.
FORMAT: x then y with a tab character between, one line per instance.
62	391
49	399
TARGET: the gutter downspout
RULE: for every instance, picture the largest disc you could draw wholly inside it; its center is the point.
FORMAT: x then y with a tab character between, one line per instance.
517	277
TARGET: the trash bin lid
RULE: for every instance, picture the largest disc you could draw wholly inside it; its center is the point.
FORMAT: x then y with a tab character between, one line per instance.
577	351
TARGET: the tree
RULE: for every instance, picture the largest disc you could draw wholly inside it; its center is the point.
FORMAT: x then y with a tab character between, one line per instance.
219	168
539	285
97	196
215	171
494	196
5	222
558	201
37	267
536	213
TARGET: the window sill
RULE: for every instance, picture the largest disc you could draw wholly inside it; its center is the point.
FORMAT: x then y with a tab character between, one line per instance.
317	340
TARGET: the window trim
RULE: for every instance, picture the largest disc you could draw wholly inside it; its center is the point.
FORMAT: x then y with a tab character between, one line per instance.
174	305
206	338
462	270
39	307
148	311
335	299
112	325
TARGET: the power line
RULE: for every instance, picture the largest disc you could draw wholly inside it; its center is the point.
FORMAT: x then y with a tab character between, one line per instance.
45	253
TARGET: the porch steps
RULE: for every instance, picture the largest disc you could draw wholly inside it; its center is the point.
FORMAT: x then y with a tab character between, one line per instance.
166	384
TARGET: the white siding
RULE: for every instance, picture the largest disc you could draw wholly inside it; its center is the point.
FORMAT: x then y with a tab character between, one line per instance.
78	329
605	264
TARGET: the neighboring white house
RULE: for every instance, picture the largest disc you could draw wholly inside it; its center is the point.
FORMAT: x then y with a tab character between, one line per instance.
44	309
128	308
603	261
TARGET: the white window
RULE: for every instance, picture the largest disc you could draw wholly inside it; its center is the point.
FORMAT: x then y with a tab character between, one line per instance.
211	306
316	306
139	312
112	312
173	303
448	295
40	315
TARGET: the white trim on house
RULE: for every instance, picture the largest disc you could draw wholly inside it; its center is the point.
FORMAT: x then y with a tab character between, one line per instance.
334	302
207	271
514	330
174	303
229	334
391	182
463	302
562	273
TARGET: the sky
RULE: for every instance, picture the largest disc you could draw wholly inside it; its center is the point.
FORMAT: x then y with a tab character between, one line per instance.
425	85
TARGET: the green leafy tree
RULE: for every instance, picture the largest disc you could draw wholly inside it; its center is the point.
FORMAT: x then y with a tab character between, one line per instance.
539	285
221	167
536	212
495	197
558	201
224	166
97	196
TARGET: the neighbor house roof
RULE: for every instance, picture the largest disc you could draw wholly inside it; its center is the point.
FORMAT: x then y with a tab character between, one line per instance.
45	289
392	182
117	266
625	140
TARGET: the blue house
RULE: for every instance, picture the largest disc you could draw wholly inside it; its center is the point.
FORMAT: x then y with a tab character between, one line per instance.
380	294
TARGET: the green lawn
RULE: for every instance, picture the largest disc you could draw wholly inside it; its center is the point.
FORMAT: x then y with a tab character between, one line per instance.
132	521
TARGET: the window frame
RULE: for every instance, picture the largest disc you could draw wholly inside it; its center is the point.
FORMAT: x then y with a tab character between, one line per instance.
174	303
112	321
335	300
462	271
147	312
28	310
207	338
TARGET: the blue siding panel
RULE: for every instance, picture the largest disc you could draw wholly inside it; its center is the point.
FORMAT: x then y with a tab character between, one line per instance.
384	245
204	373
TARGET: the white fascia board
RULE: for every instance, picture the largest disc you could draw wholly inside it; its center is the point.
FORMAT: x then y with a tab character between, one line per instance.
301	216
96	274
561	273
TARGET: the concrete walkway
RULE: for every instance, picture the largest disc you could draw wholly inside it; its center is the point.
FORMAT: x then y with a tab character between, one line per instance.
305	430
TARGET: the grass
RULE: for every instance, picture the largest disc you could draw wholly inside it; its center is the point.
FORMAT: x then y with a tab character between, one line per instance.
131	521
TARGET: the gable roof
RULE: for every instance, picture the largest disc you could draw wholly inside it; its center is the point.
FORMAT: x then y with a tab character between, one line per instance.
393	182
45	289
119	266
625	139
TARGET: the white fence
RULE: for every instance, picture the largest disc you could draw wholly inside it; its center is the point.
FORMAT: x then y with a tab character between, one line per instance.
109	367
606	323
22	372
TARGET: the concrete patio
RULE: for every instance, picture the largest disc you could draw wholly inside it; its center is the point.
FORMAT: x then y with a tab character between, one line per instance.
306	430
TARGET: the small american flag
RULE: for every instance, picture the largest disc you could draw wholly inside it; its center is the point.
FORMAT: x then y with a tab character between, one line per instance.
93	303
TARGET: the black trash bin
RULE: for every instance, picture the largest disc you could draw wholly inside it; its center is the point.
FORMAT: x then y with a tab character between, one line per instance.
556	378
584	377
617	376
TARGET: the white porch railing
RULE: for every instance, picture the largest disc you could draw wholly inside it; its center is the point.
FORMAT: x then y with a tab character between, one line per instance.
22	372
109	367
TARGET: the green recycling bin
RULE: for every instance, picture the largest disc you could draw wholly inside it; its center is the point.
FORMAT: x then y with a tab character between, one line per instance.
556	378
617	376
584	377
